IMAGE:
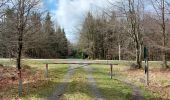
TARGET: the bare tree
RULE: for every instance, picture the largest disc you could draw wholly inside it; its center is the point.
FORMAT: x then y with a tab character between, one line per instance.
23	9
133	11
161	9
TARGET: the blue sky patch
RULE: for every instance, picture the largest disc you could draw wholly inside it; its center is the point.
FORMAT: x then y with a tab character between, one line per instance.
50	4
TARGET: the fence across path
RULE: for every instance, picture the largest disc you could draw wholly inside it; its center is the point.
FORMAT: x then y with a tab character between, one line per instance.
81	63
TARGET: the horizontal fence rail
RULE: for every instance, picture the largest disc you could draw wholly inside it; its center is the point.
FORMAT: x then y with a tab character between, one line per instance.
86	63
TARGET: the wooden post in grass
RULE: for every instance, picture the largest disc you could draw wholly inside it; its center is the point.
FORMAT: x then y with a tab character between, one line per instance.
146	66
111	71
19	83
119	52
46	71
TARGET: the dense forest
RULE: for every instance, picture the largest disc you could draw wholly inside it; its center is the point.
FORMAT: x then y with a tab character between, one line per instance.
119	32
122	32
41	38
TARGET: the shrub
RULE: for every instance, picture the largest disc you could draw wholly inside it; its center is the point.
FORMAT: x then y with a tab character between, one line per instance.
1	65
26	67
133	66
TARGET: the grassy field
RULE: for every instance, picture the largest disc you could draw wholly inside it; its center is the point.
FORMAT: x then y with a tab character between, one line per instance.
37	87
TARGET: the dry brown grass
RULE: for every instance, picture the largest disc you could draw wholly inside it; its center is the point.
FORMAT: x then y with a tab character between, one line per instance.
159	80
9	81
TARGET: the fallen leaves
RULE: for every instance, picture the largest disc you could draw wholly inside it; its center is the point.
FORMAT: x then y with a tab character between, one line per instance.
159	81
9	80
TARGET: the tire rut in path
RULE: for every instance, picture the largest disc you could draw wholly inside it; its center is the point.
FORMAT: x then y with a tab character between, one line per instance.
92	84
60	89
136	94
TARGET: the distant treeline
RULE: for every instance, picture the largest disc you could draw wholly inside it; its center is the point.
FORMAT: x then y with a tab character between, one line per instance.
123	30
102	37
41	39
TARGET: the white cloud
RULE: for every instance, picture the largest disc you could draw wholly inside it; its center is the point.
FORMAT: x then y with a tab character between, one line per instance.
70	13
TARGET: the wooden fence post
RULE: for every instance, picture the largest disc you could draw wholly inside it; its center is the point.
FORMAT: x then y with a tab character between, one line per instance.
46	71
119	52
111	71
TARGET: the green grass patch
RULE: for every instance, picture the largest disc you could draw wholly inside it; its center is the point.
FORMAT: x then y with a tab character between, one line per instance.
78	88
42	88
112	89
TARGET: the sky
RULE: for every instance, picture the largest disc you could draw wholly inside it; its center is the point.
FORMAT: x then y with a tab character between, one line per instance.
69	14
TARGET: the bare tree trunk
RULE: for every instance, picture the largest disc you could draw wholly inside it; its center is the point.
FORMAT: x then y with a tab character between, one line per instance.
164	34
138	55
20	44
164	60
119	52
19	53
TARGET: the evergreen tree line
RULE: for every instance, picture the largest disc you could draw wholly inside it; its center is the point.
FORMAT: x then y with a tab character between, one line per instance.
42	39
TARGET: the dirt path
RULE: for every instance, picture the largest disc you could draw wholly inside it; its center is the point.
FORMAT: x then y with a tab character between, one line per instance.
92	84
61	87
136	94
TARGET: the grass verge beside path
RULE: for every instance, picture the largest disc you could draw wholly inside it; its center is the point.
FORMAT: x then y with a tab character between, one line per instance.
112	89
118	90
43	87
78	88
